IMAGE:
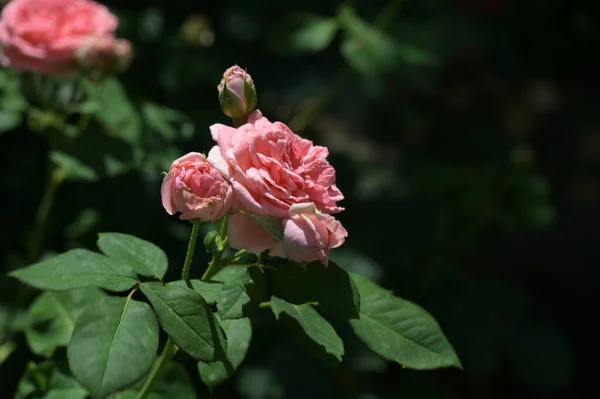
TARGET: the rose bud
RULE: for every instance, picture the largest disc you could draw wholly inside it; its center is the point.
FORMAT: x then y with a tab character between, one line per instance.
237	94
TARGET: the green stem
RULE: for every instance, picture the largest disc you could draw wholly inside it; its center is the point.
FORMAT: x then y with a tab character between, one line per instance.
57	177
168	351
38	87
185	273
221	242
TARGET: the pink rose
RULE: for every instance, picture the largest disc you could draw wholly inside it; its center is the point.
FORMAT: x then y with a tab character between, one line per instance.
272	168
196	189
244	232
308	234
44	35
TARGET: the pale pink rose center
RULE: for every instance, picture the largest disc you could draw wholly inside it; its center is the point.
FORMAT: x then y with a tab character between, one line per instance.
201	179
292	167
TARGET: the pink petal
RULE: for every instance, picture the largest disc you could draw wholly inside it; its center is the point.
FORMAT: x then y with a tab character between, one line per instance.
245	233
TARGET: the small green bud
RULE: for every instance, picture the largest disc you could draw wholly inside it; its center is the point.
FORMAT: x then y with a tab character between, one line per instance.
237	93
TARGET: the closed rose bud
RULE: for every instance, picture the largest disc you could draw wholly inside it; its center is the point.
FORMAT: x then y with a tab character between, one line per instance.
104	53
123	54
196	189
96	52
308	234
237	93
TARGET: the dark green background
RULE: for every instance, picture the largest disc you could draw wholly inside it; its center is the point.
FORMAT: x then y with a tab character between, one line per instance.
471	181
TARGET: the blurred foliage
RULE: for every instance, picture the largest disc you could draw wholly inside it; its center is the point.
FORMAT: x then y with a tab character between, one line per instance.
466	140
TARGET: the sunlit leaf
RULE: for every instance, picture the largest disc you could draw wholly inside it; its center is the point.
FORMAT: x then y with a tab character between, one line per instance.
78	268
399	330
144	257
185	316
113	345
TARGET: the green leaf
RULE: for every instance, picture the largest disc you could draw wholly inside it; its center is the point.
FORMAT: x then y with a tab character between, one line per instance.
330	286
116	112
173	382
365	48
113	345
239	334
46	380
313	325
78	268
271	224
52	318
146	258
302	33
93	154
9	120
399	330
185	316
169	123
208	289
242	292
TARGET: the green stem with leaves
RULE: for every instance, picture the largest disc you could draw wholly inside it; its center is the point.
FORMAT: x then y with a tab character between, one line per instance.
221	242
57	177
170	348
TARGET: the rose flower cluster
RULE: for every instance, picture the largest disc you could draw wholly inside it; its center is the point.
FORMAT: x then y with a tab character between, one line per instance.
260	168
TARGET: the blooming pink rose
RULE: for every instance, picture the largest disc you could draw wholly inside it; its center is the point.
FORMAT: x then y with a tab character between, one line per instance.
308	234
196	189
272	168
44	35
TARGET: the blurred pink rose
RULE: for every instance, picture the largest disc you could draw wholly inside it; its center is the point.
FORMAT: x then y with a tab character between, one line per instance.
44	35
196	189
272	168
308	234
